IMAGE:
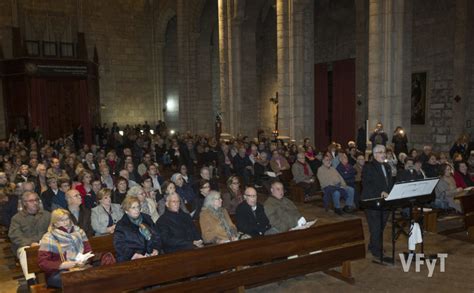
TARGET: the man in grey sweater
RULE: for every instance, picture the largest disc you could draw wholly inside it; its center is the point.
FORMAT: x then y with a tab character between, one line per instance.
27	228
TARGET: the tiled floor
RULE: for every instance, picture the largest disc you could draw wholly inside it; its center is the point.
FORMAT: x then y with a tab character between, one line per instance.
370	277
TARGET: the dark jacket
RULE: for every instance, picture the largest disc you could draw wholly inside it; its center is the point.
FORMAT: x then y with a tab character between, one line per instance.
47	199
348	173
177	231
118	197
400	143
128	240
409	175
373	179
248	222
84	221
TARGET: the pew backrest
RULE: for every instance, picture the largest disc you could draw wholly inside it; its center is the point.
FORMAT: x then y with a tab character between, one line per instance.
227	266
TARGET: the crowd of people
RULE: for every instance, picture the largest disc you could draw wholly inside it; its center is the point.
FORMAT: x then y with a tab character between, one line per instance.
148	188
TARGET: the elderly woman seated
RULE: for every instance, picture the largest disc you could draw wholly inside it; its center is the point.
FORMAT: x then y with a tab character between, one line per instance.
148	205
250	216
216	225
176	228
106	214
135	234
60	247
182	188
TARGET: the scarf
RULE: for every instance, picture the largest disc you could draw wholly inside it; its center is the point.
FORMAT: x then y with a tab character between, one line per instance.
144	230
219	214
305	166
72	242
145	208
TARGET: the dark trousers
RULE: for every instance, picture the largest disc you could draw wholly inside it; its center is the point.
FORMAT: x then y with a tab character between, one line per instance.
309	188
376	228
54	281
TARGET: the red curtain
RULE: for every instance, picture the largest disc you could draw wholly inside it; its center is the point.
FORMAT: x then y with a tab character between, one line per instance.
343	120
321	115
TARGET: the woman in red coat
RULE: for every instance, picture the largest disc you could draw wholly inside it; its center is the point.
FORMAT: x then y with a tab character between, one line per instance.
461	175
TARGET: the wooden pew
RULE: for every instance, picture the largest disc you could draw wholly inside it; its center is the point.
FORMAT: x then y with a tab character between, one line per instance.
467	205
245	263
99	244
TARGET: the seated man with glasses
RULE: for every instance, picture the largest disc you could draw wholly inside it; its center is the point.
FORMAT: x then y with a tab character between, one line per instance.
250	216
27	228
80	215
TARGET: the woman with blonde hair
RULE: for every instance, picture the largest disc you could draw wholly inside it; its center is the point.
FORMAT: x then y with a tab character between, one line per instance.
60	247
106	214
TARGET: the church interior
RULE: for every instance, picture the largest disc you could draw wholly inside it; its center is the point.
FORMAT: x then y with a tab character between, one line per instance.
306	95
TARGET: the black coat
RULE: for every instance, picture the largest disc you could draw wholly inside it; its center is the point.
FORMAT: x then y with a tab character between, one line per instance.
373	180
177	231
409	175
128	240
47	198
250	223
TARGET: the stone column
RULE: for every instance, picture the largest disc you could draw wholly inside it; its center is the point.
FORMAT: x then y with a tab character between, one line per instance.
361	65
158	79
295	66
230	14
185	117
389	61
224	66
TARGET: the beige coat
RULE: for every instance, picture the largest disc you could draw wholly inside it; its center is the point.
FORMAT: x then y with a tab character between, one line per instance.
211	228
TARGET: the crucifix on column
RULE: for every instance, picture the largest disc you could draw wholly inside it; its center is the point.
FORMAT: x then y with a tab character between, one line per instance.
274	101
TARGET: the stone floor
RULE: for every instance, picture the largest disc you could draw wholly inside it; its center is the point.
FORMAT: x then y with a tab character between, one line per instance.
370	277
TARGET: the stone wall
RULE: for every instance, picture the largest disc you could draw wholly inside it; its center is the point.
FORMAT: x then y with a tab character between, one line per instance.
334	30
432	52
122	33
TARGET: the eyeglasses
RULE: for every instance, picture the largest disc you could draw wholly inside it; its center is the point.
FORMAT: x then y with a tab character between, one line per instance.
135	207
381	152
251	195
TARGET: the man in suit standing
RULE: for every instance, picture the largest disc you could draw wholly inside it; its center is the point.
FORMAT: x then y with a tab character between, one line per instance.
377	182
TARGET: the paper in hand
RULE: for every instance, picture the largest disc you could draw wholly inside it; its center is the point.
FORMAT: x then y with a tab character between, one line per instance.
83	257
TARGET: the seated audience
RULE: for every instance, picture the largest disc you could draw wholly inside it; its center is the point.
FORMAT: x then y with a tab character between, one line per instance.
59	199
233	195
150	190
176	228
461	175
60	246
311	159
446	190
56	171
431	167
346	170
106	214
279	164
27	228
184	190
204	190
120	192
411	171
80	215
224	161
392	161
281	211
85	189
135	234
169	188
335	187
48	195
303	176
205	173
24	175
250	216
106	178
243	166
261	169
216	225
147	205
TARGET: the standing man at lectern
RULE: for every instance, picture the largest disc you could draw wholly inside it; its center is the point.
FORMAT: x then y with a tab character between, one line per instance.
376	182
